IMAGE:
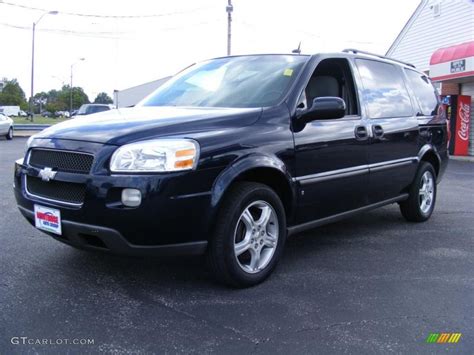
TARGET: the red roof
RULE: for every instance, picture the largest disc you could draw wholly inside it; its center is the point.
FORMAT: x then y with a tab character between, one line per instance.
449	54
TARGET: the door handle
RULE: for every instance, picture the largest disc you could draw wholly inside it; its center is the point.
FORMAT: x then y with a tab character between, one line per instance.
361	133
377	130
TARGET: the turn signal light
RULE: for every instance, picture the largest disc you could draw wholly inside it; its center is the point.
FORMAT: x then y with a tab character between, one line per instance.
188	163
184	158
185	153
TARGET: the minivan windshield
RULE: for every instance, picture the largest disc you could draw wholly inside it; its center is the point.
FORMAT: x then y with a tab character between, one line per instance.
243	81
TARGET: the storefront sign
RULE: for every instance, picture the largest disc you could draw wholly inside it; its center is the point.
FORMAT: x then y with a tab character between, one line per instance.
458	66
463	118
453	62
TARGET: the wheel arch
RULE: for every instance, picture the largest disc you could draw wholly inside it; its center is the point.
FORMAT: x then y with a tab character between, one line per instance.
263	169
429	154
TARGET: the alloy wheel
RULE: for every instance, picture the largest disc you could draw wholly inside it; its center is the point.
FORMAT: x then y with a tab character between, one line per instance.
256	236
426	192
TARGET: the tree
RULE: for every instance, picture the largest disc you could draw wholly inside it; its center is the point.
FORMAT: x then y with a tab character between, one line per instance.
103	98
53	107
53	97
12	94
79	97
59	100
39	101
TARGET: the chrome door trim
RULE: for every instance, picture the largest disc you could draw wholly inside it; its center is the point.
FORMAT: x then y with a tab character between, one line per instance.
353	171
333	174
392	164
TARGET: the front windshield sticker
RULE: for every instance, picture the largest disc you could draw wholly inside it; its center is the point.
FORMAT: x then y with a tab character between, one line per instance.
288	72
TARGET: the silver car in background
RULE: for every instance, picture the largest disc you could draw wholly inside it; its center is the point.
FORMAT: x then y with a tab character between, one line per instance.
6	126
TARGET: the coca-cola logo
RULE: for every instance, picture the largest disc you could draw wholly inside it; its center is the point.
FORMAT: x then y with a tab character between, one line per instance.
464	115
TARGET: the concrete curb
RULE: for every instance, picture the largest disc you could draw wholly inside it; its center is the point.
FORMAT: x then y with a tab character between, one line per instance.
27	130
30	127
24	134
462	158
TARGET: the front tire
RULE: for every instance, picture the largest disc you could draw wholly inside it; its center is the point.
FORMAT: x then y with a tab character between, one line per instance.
9	134
249	235
421	202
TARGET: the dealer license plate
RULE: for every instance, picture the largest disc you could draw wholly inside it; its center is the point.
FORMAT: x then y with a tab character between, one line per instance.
48	219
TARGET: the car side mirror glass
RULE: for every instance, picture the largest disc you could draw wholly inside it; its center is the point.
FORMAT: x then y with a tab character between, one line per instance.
325	108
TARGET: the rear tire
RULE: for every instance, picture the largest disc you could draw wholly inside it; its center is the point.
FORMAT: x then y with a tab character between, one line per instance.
421	202
9	135
249	235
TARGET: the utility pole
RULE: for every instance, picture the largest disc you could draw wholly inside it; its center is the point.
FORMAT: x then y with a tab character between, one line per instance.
70	94
32	113
229	8
33	59
70	87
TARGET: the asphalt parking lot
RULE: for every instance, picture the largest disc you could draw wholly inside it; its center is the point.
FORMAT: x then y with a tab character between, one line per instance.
370	284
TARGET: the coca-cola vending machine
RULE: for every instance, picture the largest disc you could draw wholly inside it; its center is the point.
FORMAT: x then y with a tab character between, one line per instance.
459	115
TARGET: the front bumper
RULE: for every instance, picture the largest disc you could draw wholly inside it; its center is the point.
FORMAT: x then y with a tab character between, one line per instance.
173	218
85	236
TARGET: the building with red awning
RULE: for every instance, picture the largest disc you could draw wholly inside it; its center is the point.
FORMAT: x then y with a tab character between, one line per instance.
439	40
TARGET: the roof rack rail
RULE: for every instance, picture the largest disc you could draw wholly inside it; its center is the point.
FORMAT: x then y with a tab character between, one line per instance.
356	51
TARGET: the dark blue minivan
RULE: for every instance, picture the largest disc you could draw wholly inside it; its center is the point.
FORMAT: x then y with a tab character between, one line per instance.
234	154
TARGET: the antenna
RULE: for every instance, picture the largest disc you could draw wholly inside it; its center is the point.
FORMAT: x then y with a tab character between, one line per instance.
297	50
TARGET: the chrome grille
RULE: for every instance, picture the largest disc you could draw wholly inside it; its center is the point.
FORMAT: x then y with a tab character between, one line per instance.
60	191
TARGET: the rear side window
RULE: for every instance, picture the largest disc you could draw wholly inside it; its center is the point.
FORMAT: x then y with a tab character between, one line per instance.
384	90
424	92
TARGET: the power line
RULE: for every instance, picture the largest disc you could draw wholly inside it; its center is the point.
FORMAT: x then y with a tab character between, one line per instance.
106	16
107	35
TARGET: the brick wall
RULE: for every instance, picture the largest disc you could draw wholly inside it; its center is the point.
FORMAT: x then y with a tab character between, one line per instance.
449	89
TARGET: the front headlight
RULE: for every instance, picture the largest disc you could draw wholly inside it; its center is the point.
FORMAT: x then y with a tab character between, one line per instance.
158	155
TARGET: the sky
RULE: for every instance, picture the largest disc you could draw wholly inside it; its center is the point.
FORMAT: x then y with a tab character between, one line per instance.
127	43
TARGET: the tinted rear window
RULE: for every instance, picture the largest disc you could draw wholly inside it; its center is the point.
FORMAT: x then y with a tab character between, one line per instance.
384	90
424	92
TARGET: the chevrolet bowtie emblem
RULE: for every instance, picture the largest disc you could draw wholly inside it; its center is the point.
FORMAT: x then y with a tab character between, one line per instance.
47	174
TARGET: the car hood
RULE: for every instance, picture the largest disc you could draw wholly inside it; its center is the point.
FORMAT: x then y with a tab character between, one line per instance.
127	125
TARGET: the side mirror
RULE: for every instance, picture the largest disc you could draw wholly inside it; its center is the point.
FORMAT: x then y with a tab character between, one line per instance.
325	108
